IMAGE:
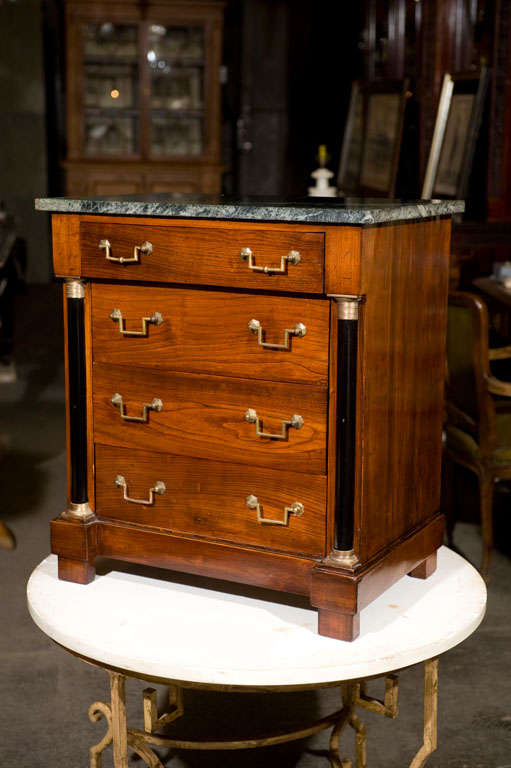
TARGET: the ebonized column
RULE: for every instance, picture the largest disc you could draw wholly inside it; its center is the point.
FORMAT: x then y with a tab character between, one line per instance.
77	399
347	342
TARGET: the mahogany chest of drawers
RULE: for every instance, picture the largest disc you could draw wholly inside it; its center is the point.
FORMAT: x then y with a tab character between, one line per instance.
258	401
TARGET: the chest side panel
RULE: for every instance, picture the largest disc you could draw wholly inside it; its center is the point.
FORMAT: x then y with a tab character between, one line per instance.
404	277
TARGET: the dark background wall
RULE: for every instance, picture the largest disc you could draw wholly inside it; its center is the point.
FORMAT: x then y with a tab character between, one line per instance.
289	66
292	83
23	156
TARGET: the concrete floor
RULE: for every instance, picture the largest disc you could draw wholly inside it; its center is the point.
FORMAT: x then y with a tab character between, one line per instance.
45	692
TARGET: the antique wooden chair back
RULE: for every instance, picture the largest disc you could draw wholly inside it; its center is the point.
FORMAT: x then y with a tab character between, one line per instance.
478	432
470	405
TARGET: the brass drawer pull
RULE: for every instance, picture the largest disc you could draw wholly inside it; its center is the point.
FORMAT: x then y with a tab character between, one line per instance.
256	327
295	421
146	247
293	257
116	316
155	405
158	487
294	509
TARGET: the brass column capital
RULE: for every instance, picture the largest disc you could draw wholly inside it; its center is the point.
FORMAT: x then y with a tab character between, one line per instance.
75	288
347	305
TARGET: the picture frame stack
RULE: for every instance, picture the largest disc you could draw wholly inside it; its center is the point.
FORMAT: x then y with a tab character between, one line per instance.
373	137
457	125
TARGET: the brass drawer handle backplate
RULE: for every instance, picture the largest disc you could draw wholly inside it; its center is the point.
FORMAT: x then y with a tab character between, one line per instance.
299	330
295	509
155	405
293	257
155	319
146	247
158	487
295	421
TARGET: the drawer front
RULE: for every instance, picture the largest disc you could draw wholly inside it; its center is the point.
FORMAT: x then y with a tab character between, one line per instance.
209	499
211	417
210	256
208	332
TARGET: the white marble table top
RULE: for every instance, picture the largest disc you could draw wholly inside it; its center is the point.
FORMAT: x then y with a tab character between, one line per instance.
178	631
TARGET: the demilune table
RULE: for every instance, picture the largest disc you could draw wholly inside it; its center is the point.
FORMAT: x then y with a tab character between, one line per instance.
212	639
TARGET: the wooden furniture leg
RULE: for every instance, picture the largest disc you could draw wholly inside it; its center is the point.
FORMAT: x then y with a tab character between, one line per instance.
79	571
341	626
486	486
425	569
450	498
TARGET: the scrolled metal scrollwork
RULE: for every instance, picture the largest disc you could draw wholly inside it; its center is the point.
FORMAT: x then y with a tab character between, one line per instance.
97	710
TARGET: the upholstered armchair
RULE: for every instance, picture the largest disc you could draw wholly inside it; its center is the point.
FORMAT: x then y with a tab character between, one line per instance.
478	428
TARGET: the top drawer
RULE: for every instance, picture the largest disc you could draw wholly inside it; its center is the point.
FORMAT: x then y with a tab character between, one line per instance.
213	255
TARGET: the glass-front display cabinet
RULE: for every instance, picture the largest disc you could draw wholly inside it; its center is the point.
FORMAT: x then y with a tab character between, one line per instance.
143	96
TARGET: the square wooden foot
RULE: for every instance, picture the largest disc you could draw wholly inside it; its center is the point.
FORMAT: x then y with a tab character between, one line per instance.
341	626
425	569
79	571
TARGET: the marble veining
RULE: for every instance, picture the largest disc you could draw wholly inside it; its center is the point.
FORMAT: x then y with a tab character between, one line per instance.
305	210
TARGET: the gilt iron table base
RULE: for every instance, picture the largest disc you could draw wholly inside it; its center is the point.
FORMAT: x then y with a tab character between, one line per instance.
354	695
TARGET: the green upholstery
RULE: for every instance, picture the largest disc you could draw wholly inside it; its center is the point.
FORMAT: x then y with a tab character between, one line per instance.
461	442
462	392
460	362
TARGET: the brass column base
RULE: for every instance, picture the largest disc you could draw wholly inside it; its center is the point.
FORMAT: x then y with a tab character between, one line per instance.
353	695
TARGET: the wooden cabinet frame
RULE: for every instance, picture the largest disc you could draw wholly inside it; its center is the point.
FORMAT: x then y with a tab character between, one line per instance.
142	172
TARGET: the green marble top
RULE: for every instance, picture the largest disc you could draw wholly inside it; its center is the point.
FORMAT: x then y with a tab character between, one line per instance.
305	210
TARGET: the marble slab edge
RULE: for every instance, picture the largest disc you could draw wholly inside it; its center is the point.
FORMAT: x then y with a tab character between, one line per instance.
277	213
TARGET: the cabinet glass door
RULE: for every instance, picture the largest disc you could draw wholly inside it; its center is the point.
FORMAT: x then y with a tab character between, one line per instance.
175	57
111	108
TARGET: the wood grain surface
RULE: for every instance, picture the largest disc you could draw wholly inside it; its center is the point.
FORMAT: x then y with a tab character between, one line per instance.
208	255
204	417
65	229
208	369
207	332
342	260
404	278
241	564
208	499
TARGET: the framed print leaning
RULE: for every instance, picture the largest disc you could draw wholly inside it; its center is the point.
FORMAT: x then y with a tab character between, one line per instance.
454	151
384	116
348	178
438	136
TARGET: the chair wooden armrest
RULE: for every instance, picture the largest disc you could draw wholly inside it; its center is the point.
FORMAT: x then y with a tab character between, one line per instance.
457	417
498	387
500	353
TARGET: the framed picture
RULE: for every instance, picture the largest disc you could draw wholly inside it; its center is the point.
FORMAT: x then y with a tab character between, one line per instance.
348	178
384	111
457	125
438	136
